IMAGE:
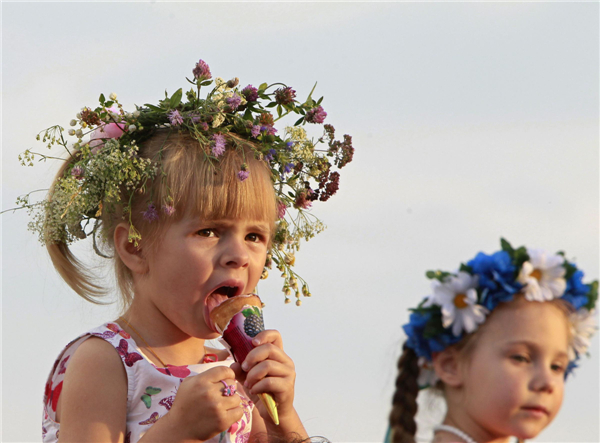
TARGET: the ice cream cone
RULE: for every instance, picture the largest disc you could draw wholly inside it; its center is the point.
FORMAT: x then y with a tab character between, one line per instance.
239	320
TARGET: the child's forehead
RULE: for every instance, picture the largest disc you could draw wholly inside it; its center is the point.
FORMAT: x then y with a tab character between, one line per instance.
527	321
192	218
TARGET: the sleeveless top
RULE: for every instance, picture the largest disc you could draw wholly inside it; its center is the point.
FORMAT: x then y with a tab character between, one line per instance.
150	390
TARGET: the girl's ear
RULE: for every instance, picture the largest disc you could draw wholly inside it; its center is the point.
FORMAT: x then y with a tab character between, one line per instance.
447	367
130	254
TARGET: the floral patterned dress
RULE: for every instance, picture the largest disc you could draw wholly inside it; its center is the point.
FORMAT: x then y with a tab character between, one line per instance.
150	390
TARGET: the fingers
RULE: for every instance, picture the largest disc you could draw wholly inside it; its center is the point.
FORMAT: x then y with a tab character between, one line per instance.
218	373
268	368
268	336
240	375
266	351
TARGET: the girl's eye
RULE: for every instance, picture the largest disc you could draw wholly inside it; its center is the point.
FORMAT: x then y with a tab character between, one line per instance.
520	358
206	233
558	368
255	238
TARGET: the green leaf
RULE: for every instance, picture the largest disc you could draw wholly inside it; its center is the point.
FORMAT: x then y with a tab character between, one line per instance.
507	247
262	87
278	110
592	295
430	275
152	107
434	326
438	275
570	268
109	103
271	105
465	268
176	98
147	400
247	312
300	120
206	83
319	101
101	99
519	257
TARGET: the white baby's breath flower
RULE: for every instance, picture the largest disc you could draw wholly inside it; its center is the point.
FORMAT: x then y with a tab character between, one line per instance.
296	133
79	133
71	131
132	128
543	276
457	296
220	84
583	327
136	113
113	96
73	122
218	120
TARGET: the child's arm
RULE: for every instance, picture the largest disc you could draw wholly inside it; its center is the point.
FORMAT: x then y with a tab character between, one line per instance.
268	369
92	406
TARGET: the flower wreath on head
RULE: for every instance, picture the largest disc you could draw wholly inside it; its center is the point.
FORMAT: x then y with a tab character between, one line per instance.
461	301
108	161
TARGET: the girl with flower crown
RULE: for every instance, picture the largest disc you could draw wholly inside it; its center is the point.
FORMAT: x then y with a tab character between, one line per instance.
497	339
192	201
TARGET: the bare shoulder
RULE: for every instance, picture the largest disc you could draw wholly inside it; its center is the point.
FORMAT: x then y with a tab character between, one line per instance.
93	402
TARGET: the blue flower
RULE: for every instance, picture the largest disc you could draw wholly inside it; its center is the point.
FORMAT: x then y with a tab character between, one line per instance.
576	292
571	366
414	331
496	278
270	155
424	347
288	168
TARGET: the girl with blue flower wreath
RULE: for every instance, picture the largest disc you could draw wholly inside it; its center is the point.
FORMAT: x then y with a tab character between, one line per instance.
194	199
498	339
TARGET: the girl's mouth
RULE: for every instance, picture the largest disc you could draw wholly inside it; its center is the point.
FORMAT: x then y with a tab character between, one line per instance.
217	297
536	411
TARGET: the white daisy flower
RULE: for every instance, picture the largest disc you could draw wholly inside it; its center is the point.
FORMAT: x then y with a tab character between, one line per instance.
427	375
457	297
583	326
543	276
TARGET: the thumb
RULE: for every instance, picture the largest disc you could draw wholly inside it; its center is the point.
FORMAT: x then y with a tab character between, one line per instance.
239	374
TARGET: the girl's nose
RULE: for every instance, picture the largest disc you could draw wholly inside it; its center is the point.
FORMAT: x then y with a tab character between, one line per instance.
234	253
544	380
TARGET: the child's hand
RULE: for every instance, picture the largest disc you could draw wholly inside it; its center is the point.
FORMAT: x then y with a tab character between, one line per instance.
201	409
267	369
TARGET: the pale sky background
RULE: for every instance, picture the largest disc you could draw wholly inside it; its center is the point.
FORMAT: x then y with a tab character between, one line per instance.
470	121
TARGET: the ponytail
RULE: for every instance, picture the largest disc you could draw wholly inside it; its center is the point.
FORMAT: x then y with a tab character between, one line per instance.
67	265
404	402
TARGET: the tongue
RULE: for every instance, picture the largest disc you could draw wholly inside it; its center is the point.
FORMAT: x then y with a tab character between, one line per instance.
215	300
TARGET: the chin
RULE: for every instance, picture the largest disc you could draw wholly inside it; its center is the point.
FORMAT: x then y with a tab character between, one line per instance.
527	432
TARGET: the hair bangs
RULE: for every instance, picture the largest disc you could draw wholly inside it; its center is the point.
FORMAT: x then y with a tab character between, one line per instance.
214	190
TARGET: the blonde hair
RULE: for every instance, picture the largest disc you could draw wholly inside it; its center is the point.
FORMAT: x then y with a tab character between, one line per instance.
404	401
187	181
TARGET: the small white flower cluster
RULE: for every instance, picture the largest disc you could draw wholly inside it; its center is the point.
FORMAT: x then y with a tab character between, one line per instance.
302	148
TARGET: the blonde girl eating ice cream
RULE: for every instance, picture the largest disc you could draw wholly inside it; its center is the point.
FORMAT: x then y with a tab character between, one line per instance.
498	339
193	198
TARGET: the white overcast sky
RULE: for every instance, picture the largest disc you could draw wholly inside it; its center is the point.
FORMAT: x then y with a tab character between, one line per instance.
471	121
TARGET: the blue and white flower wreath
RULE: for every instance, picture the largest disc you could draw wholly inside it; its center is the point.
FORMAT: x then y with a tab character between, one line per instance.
461	301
